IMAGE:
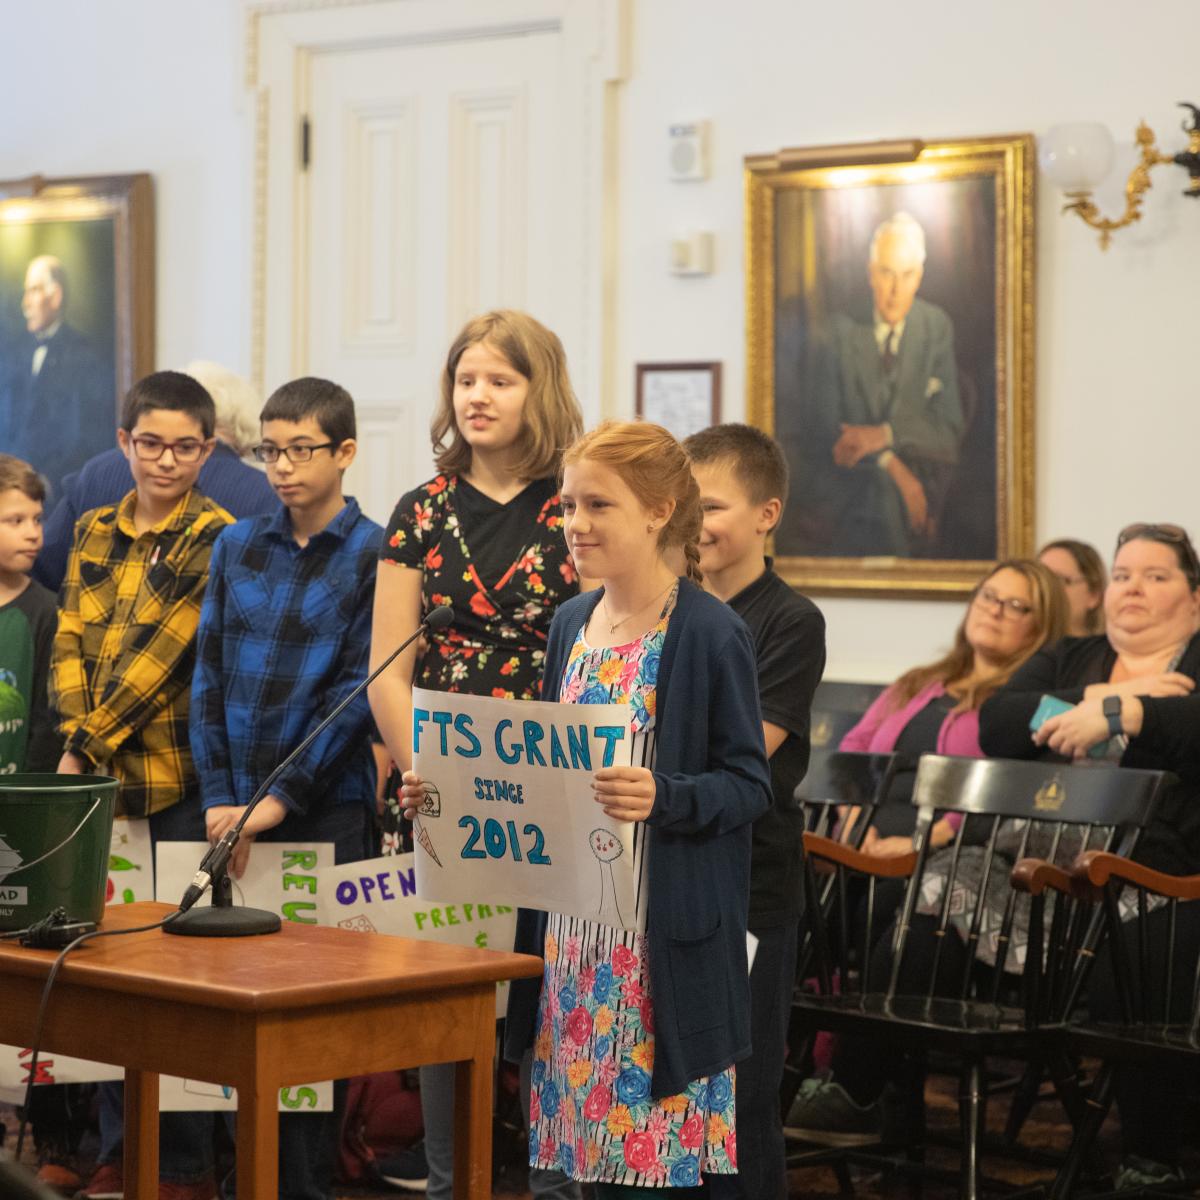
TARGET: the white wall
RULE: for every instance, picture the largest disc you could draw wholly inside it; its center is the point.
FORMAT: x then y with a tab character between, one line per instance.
1118	390
155	85
147	85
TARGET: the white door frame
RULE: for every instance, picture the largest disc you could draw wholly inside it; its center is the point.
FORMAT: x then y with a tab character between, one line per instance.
281	38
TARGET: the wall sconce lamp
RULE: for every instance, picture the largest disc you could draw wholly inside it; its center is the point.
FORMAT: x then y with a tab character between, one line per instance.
1077	157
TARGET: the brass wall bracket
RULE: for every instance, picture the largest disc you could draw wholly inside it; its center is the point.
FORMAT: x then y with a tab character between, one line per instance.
1139	179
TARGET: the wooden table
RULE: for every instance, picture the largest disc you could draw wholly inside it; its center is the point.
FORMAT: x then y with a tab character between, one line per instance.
261	1013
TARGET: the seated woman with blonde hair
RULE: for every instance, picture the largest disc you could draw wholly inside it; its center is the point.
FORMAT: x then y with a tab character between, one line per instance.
934	709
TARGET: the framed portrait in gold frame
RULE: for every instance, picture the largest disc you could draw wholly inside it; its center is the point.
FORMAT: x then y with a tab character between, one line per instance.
890	350
76	313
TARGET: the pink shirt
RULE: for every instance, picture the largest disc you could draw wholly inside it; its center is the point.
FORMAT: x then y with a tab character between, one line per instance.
881	724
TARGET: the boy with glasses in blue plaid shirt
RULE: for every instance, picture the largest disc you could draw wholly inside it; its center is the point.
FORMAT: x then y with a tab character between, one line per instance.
284	636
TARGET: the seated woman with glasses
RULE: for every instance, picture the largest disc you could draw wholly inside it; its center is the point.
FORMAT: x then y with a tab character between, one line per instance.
1081	570
934	709
1133	692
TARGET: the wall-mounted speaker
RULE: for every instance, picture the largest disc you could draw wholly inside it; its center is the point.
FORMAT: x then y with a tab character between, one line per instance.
687	152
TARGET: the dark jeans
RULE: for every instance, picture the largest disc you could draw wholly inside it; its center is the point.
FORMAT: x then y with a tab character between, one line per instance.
308	1141
59	1115
864	1065
762	1174
1150	1096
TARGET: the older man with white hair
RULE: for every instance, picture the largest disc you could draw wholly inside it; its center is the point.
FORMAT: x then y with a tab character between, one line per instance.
888	418
239	488
59	395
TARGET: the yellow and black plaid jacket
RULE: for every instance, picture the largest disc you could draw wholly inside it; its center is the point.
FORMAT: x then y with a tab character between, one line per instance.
126	646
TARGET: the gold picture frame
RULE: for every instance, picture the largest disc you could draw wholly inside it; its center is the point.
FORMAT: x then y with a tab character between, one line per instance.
60	406
892	418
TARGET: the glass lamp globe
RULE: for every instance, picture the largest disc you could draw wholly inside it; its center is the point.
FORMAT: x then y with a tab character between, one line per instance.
1076	157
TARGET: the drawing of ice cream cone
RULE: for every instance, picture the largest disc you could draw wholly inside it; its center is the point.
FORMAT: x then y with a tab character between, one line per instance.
423	841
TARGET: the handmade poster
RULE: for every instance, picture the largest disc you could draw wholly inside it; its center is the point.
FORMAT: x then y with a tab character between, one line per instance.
130	862
282	877
380	896
509	810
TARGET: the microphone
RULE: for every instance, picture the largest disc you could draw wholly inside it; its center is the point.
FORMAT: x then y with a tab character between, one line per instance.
215	861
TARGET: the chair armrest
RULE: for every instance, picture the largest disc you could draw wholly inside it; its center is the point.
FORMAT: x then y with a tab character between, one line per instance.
1034	875
899	867
1098	867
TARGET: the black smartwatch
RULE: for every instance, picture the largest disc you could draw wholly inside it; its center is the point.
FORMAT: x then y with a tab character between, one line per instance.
1111	707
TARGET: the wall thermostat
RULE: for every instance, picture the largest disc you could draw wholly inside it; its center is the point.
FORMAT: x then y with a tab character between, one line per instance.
687	153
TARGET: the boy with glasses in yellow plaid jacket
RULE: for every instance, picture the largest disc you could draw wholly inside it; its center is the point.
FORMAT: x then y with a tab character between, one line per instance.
122	674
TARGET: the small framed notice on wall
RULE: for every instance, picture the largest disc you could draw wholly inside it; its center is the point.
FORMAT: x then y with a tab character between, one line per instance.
682	397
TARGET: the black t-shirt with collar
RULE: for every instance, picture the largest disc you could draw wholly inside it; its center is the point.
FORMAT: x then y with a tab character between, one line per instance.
789	646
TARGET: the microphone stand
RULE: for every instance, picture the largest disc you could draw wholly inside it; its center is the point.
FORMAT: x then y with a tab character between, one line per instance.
224	918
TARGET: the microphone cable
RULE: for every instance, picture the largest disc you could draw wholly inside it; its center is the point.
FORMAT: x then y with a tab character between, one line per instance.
44	1004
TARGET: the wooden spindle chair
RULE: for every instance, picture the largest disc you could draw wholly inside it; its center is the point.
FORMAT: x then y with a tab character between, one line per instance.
983	1013
1149	1031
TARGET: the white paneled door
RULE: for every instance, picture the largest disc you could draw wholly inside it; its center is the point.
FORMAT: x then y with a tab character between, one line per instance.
432	190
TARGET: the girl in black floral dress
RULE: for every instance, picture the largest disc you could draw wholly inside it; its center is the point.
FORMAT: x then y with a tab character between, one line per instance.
484	536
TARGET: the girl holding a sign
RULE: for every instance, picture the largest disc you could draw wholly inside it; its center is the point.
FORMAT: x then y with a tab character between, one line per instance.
635	1034
484	536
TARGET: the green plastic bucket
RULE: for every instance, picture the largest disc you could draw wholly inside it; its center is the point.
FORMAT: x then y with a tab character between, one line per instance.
55	836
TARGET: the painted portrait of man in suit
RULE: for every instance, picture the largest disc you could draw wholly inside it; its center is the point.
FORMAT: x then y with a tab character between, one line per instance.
900	421
884	373
58	401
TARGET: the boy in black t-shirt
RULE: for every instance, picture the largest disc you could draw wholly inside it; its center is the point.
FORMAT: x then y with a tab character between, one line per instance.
743	487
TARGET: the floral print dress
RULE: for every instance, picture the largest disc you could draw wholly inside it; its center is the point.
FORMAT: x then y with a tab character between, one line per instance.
591	1114
496	644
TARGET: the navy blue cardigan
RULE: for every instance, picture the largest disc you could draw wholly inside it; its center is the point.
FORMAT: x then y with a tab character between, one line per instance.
711	781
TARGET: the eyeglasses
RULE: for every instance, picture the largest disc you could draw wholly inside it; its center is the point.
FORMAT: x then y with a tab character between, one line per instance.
1168	535
151	449
295	454
1009	607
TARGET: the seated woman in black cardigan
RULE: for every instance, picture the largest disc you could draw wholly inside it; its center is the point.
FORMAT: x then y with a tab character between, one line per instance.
1149	658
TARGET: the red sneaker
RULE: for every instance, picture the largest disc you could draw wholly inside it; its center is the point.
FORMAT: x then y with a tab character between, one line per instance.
107	1183
204	1189
60	1177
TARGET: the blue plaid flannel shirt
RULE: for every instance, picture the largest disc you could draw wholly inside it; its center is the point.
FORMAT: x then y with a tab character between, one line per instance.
285	633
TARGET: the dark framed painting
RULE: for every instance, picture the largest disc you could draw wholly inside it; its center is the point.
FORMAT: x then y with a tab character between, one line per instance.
684	397
890	351
76	314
